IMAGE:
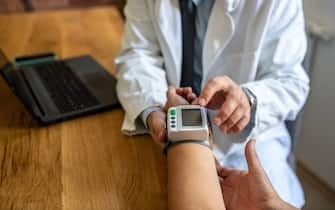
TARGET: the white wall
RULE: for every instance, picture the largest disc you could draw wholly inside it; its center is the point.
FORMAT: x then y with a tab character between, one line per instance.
316	146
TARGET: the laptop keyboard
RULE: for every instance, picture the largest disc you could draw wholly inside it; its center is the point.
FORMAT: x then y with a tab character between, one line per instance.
66	90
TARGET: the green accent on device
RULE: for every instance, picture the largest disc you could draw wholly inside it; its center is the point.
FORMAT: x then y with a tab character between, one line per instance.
34	59
173	112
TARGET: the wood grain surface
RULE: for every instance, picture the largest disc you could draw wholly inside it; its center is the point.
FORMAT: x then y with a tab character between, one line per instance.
11	6
80	164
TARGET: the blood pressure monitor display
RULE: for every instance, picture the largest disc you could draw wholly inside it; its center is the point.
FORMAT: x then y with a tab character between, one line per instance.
187	122
191	117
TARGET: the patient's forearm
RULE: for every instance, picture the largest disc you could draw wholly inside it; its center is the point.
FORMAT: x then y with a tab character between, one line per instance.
192	179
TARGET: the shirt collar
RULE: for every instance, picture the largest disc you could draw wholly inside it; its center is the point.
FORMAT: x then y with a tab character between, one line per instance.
197	2
230	5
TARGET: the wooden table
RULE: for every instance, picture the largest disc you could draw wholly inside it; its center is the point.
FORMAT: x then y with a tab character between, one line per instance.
80	164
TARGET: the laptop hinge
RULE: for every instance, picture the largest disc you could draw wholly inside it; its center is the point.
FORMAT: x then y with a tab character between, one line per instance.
6	73
23	90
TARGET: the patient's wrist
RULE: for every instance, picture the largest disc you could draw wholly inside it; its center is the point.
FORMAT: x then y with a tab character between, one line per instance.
192	178
171	144
184	149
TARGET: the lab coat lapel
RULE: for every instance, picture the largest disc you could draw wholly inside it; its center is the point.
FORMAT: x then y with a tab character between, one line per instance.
219	32
169	23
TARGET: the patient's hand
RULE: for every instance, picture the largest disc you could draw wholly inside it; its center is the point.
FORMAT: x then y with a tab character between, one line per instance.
156	123
179	96
157	119
187	94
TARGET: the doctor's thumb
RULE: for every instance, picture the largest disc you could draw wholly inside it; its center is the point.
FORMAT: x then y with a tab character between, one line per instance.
254	164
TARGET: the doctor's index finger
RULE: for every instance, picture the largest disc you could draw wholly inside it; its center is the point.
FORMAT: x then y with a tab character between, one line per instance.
212	87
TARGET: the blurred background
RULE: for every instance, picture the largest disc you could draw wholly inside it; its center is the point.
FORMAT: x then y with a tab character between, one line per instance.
7	6
314	132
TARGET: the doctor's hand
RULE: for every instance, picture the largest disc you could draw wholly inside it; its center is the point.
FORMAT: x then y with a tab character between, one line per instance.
234	108
250	189
157	119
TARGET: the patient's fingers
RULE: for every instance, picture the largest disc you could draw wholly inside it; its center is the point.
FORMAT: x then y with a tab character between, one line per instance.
187	90
180	91
191	97
184	91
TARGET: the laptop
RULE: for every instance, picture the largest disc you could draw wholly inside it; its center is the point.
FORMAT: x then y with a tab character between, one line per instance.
55	91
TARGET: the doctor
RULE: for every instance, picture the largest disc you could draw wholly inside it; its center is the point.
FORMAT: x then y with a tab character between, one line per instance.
246	55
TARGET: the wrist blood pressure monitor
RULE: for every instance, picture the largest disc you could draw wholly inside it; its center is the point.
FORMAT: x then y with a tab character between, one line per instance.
187	122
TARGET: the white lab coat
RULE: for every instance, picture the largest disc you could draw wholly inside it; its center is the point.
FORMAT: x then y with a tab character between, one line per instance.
260	44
